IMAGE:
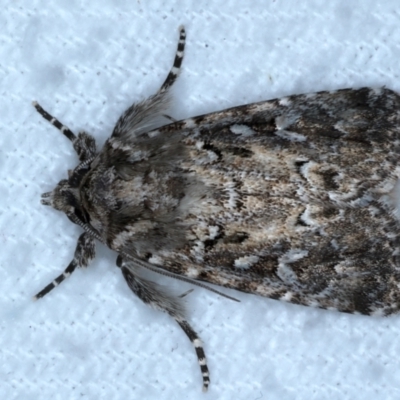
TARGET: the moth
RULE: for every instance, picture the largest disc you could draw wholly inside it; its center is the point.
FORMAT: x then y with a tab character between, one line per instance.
291	199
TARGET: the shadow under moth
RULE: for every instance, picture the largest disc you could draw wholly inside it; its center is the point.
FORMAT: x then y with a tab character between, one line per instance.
291	199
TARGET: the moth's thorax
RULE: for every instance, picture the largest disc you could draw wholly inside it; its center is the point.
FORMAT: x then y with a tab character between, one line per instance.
146	206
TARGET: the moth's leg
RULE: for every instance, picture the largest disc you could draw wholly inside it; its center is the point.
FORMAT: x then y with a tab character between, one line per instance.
54	121
84	254
198	346
84	144
156	297
176	68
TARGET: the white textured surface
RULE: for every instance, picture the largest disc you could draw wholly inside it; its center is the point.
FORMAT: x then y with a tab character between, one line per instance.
91	338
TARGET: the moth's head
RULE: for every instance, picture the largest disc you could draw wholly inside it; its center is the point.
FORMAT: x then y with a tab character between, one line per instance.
62	198
66	197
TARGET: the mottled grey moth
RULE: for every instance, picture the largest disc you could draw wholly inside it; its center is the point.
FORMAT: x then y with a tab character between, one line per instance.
291	198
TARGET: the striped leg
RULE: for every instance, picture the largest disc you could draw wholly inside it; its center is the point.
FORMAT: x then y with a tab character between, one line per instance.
192	335
54	121
84	254
156	297
84	144
176	68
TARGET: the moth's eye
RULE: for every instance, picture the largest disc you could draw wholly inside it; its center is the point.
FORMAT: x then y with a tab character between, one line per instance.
76	176
81	215
69	198
119	261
